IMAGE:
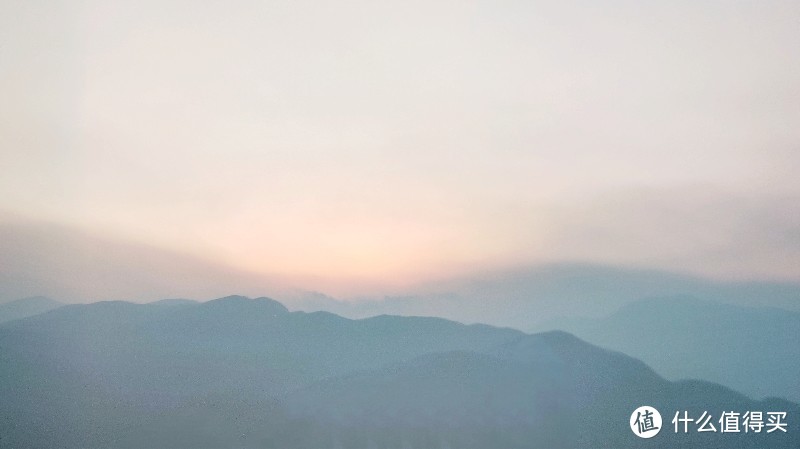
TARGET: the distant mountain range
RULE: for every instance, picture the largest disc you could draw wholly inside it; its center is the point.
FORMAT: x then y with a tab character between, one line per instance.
25	307
528	298
755	350
76	265
239	372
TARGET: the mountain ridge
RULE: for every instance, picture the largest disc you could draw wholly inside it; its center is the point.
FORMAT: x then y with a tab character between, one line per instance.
26	307
751	349
140	375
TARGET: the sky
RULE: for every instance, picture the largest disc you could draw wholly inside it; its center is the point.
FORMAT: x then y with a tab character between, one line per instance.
357	144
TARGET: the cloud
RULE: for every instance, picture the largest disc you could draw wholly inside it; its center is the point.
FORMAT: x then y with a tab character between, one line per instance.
385	142
694	230
76	265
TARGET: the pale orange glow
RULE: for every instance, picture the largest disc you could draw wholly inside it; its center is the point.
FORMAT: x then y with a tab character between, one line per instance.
349	154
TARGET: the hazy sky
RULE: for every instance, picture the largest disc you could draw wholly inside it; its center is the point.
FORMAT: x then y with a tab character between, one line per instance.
387	142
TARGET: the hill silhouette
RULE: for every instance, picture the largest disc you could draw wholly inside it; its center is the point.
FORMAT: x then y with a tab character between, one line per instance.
239	372
528	298
25	307
751	349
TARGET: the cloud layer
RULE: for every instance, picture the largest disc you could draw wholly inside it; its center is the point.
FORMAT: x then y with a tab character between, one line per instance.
383	144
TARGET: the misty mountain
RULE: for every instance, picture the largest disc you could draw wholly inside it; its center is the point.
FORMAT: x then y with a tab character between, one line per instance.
527	298
25	307
174	302
751	349
239	372
544	390
76	265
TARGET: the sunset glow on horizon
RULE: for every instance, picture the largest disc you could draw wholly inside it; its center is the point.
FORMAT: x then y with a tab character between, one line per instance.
330	143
